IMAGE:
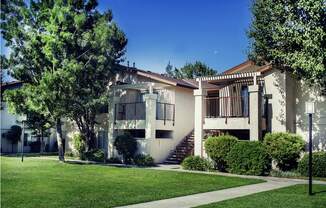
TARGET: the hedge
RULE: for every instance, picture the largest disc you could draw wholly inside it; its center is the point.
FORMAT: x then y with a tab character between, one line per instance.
318	164
217	148
285	149
196	163
249	158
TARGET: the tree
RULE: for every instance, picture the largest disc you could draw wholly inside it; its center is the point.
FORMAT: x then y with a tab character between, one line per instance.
13	135
189	71
290	35
66	53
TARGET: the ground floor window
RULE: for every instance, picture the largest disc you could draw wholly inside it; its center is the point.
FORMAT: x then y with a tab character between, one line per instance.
163	134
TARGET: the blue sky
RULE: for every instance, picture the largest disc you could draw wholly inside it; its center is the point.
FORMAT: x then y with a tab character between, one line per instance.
181	31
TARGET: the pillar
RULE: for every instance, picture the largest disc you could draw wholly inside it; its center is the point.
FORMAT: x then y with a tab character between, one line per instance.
113	100
255	112
150	126
200	110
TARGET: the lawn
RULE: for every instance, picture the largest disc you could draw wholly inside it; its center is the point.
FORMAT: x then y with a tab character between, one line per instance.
47	183
289	197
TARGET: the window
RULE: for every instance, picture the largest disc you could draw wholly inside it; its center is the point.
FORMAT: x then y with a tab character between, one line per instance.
102	139
136	133
163	134
245	101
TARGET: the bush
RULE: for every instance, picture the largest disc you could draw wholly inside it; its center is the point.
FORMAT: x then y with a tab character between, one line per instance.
318	164
250	158
217	148
143	160
95	155
196	163
114	160
286	174
284	149
79	144
126	146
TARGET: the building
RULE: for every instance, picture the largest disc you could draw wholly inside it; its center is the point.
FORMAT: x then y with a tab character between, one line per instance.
248	101
7	120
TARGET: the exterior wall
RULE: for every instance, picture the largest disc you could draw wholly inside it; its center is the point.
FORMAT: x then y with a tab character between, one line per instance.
306	93
274	87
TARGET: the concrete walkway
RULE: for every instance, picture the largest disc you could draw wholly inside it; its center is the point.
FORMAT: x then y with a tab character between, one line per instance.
220	195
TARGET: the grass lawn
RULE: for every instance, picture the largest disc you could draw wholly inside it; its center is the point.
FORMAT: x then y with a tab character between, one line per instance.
47	183
289	197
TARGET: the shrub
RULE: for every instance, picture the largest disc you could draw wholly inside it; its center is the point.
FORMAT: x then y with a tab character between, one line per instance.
114	160
78	141
144	160
126	145
95	155
217	148
196	163
286	174
250	158
285	149
318	164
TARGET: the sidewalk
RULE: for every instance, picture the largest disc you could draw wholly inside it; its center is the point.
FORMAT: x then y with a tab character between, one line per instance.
220	195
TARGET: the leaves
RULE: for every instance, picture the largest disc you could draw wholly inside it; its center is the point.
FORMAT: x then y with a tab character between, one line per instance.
292	36
190	71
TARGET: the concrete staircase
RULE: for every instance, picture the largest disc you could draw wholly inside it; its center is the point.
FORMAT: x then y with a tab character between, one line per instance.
184	149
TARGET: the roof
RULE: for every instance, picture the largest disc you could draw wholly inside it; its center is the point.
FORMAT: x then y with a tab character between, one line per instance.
247	66
162	78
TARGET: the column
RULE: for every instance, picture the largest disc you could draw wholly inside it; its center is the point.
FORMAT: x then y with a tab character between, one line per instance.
200	110
113	100
150	126
255	112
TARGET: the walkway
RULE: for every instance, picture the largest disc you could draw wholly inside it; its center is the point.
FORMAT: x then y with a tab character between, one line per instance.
220	195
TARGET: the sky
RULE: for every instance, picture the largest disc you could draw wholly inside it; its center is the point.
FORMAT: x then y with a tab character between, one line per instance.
182	31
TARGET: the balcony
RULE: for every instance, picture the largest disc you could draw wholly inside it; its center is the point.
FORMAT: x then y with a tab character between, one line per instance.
225	107
227	112
130	111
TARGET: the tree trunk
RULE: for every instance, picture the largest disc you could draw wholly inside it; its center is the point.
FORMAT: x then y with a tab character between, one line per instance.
42	142
60	140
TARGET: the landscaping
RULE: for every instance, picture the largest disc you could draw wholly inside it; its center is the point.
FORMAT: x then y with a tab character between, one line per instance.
45	182
289	197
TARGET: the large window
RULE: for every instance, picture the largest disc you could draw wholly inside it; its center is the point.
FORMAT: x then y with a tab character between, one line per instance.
163	134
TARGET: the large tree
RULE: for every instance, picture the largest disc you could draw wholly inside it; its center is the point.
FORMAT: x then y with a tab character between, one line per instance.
65	52
291	35
189	71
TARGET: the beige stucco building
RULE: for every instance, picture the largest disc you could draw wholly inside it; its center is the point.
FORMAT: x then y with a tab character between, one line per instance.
248	101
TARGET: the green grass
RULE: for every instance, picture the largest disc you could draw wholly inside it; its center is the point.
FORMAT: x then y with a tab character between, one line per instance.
289	197
47	183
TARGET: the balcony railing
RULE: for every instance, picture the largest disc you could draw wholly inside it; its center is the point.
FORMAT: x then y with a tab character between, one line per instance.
224	107
130	111
165	112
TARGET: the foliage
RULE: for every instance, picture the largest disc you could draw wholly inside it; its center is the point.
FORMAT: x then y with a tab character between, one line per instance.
250	158
318	164
285	149
126	146
286	174
196	163
291	35
14	134
217	148
144	160
97	155
66	53
114	160
78	142
189	71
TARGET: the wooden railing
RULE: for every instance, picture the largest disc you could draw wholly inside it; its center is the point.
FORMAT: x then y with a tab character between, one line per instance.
165	112
224	107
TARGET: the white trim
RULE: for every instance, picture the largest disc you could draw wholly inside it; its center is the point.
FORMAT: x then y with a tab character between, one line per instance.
229	76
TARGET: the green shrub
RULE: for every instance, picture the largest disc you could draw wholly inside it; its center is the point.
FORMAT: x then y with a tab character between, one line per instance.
69	154
250	158
143	160
78	141
114	160
126	146
196	163
285	149
318	164
217	148
95	155
286	174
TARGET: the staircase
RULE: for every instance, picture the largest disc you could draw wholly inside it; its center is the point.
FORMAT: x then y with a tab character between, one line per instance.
183	150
